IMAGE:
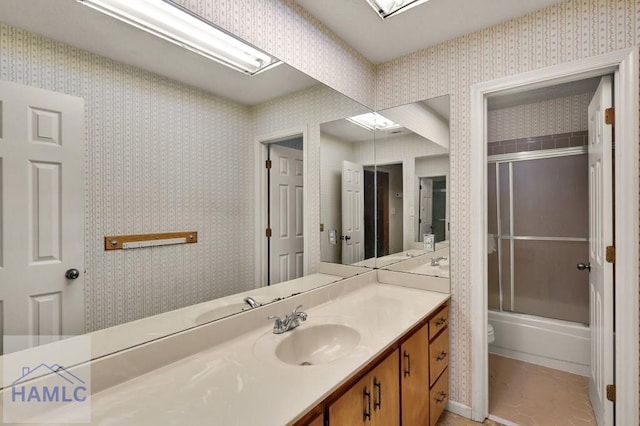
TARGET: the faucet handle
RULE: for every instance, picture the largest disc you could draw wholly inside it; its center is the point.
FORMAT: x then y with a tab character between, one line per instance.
299	314
277	318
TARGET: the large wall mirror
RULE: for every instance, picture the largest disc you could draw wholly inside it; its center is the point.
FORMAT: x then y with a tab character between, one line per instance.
412	183
174	142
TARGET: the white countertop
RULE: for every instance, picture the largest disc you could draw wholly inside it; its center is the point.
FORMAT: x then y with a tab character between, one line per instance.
236	383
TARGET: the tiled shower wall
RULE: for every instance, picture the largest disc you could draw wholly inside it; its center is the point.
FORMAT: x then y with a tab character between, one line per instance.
161	157
561	33
537	143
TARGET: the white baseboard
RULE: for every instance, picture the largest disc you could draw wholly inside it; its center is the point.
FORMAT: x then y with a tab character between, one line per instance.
502	421
556	364
459	409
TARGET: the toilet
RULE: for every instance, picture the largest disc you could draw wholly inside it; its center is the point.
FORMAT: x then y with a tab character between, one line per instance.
490	336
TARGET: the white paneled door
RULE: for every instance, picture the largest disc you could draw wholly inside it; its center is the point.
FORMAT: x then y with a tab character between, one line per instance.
601	236
352	213
286	193
41	215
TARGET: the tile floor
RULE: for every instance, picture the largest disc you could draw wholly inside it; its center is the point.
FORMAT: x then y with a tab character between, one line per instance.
531	395
450	419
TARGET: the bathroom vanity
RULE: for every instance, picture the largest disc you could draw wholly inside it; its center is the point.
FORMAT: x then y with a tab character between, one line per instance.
411	377
368	353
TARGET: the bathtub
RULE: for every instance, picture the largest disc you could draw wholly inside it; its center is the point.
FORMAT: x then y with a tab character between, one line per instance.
562	345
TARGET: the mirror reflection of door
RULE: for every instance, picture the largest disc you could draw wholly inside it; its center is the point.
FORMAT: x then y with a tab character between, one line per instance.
433	207
352	212
285	249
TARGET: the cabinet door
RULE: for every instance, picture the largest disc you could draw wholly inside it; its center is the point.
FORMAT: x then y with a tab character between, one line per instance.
386	392
414	375
355	406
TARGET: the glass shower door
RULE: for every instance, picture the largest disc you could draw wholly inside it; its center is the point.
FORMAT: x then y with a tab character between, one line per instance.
541	213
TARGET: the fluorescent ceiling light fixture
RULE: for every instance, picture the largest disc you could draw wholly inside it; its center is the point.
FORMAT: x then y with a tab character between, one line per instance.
388	8
167	20
373	121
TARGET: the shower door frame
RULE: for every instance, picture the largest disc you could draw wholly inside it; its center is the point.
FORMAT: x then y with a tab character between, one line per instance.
624	64
510	159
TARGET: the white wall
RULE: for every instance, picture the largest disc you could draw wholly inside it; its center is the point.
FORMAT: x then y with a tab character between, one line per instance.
396	216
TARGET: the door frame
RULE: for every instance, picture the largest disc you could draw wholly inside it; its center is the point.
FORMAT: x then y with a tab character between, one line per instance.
624	64
261	143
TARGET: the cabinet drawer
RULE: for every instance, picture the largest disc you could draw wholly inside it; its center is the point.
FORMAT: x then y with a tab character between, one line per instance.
438	356
438	397
438	322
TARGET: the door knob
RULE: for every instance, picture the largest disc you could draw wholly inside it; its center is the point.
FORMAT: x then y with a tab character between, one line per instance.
582	266
345	237
72	274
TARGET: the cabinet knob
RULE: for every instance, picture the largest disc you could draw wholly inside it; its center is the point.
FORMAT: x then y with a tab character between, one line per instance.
441	356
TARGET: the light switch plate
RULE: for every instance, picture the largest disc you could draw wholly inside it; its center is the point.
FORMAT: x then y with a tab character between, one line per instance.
333	236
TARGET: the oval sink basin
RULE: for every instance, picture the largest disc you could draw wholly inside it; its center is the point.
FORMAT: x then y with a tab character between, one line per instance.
317	344
220	312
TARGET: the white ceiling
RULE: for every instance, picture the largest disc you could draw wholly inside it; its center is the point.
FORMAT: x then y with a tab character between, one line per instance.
425	25
73	23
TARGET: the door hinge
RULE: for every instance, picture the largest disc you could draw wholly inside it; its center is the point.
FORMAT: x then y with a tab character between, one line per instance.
610	255
611	393
322	227
267	164
268	232
610	116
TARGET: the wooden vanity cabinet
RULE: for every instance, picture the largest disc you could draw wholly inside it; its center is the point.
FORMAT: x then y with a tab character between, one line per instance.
373	400
414	378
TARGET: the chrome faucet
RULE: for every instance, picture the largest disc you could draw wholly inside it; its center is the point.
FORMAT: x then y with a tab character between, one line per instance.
289	322
435	261
251	302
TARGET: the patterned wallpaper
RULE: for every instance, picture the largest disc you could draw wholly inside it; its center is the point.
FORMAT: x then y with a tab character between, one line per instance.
561	33
161	157
286	30
562	115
